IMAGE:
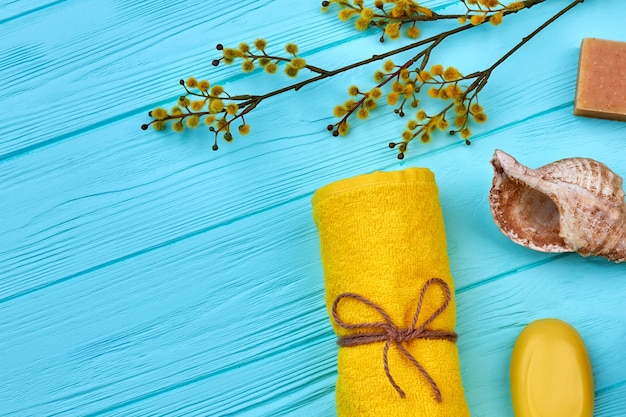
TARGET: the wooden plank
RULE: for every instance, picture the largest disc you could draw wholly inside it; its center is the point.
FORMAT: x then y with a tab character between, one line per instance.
202	306
583	292
610	402
144	274
99	61
195	331
16	9
63	225
71	69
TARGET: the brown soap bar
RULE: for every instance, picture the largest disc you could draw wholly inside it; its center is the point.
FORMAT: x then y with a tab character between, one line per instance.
601	85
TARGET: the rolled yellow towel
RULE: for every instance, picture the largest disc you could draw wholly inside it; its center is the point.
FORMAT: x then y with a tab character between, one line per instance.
390	295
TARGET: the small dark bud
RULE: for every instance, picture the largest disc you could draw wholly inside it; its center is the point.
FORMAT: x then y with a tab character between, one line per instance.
452	132
467	142
144	127
392	145
150	113
212	129
400	156
215	62
228	136
219	46
401	113
396	111
325	3
330	127
215	147
182	82
335	133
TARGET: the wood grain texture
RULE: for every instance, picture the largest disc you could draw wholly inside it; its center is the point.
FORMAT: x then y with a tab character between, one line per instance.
144	274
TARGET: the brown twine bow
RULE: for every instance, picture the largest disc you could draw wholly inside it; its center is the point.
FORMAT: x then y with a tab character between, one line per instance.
389	333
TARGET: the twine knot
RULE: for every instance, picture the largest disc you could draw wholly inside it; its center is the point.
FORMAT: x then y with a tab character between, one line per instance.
387	331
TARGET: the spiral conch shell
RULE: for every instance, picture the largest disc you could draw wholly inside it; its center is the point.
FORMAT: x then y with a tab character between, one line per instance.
571	205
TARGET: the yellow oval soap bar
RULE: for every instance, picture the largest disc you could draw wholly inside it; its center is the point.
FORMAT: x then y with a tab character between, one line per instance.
551	372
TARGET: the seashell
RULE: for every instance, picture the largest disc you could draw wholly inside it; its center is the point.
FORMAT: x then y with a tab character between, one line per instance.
571	205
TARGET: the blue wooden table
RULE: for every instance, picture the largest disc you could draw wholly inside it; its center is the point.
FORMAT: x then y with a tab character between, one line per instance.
141	273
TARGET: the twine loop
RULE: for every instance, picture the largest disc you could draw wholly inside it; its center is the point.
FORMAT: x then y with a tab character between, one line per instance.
387	331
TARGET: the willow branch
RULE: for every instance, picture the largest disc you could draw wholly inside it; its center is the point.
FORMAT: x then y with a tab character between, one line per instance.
378	57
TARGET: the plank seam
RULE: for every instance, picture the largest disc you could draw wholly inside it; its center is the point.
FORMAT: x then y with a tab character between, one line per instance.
199	378
511	272
266	209
150	249
29	12
146	108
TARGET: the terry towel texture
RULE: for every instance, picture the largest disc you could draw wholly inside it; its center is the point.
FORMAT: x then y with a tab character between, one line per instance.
382	238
